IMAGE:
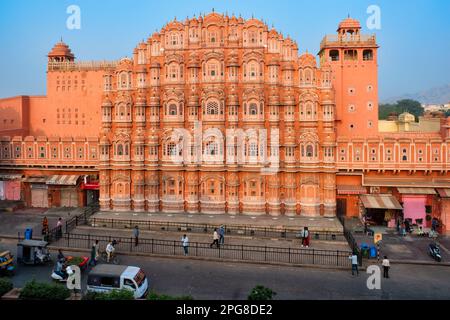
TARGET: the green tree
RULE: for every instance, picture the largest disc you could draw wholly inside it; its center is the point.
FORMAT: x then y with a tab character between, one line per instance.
406	105
261	293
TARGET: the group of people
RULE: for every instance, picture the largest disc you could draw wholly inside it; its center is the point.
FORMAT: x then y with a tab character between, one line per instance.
385	264
218	239
46	230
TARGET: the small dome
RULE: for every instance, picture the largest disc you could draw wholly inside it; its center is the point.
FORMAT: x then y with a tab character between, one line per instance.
141	99
104	140
61	50
233	100
193	101
155	65
406	117
349	23
307	59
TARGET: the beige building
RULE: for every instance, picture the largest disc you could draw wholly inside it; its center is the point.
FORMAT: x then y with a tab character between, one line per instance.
406	122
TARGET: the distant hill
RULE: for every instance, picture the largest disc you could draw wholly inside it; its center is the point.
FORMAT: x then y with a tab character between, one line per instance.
437	95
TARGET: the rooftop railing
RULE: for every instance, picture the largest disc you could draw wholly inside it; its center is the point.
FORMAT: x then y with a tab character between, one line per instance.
81	65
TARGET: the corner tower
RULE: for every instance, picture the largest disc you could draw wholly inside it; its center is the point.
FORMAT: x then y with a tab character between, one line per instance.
353	60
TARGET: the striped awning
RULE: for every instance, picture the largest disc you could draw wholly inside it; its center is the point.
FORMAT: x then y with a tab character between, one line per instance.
63	180
380	201
35	179
7	177
351	189
444	193
416	190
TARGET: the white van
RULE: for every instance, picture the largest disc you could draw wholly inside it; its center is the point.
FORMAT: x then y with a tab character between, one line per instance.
108	277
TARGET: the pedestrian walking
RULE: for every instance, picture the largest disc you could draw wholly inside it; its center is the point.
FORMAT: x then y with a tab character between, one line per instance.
305	237
222	235
386	265
44	226
354	258
185	244
215	239
434	224
94	254
136	235
59	228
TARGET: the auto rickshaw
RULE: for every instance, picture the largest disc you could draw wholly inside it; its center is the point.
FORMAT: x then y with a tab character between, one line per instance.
7	267
33	252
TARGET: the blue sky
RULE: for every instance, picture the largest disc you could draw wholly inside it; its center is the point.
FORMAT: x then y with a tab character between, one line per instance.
414	35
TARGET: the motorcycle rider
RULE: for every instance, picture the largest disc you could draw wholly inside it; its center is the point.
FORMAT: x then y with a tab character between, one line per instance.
60	269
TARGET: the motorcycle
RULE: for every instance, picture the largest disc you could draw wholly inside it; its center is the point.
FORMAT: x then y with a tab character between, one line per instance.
62	275
435	251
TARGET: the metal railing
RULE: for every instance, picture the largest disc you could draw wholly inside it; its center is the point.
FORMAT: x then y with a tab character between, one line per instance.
351	240
296	256
240	230
82	219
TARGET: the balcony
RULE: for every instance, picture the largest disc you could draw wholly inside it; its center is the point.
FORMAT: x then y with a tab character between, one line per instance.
335	40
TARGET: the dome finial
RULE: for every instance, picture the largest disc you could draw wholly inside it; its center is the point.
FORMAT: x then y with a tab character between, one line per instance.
212	9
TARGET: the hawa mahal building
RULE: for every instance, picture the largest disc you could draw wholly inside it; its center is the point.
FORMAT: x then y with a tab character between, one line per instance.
218	114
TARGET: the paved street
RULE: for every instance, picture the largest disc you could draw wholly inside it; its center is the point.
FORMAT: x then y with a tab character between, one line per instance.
215	280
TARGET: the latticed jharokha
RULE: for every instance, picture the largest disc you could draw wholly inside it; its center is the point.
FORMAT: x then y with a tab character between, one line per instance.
219	114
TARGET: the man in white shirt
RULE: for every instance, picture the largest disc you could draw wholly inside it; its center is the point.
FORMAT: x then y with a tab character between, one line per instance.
185	244
386	265
110	250
354	259
215	239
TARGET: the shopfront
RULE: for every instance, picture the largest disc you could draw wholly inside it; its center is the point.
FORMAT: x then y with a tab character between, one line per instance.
416	203
63	191
10	187
381	209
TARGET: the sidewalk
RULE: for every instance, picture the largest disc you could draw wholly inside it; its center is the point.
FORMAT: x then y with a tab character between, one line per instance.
207	238
11	223
314	224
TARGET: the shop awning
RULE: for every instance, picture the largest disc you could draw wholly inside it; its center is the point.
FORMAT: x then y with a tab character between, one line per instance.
380	201
7	177
416	190
351	189
35	179
444	193
63	180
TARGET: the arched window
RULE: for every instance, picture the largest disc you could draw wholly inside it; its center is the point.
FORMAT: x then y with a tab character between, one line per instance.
309	151
253	149
212	108
253	109
172	109
120	149
171	149
253	70
212	148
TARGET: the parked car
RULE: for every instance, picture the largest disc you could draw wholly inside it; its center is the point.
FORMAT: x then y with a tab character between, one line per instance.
108	277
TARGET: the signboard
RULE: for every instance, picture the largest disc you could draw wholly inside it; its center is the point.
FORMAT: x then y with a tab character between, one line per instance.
377	237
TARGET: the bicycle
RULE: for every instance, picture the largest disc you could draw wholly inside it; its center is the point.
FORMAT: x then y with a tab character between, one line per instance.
113	259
